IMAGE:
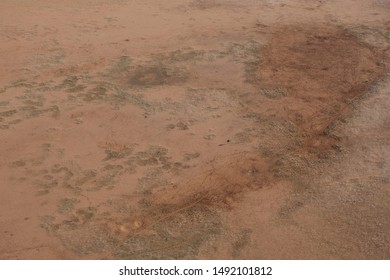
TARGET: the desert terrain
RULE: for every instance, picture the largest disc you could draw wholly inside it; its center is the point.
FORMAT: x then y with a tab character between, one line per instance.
195	129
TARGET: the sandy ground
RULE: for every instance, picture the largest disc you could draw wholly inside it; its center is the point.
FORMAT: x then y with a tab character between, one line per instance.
195	129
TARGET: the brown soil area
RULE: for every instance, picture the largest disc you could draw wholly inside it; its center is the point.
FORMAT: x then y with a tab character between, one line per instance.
195	129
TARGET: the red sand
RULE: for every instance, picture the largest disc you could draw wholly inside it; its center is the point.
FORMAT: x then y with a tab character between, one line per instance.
210	129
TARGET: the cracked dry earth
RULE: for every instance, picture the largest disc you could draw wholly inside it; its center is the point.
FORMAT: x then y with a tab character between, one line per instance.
211	129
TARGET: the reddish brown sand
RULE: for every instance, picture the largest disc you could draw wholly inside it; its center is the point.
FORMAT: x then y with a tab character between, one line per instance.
195	129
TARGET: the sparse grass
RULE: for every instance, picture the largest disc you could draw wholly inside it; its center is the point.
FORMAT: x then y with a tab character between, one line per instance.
119	68
290	165
189	55
209	136
13	122
156	74
273	93
182	126
8	113
190	156
85	177
4	103
168	233
22	83
67	204
371	35
30	111
19	163
244	238
177	236
118	154
4	126
250	55
153	178
245	136
204	4
97	93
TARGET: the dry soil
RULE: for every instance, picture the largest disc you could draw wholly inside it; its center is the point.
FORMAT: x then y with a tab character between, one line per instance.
195	129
